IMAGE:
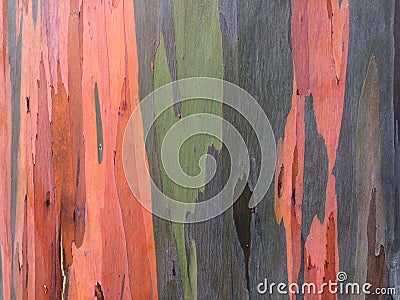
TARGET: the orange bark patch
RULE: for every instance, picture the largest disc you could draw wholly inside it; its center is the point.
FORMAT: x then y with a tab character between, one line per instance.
68	208
320	33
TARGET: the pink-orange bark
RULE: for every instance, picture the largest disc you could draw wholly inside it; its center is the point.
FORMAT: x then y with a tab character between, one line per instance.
73	214
320	33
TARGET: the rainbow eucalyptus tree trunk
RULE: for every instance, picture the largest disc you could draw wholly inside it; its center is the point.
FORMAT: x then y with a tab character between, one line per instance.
325	72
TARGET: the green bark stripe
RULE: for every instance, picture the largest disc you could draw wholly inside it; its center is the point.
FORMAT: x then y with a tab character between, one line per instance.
198	39
198	43
193	269
163	123
99	125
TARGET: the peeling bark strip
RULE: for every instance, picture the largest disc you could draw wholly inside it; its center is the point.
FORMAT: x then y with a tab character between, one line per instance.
319	45
47	282
369	193
63	168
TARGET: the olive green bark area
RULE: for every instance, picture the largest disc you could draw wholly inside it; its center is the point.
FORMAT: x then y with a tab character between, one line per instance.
198	45
198	38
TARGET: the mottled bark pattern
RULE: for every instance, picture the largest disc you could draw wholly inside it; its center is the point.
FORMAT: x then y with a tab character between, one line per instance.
326	73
